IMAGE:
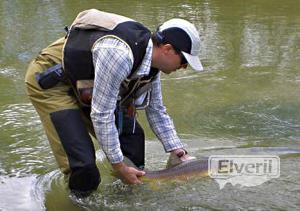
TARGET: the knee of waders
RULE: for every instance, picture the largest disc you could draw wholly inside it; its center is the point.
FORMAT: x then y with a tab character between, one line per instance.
84	180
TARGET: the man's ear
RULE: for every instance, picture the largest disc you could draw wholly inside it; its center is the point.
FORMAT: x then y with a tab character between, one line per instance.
167	48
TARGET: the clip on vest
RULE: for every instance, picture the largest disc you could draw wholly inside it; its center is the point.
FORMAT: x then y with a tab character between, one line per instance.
49	78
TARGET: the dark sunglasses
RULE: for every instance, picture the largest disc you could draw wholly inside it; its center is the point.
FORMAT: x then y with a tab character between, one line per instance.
183	60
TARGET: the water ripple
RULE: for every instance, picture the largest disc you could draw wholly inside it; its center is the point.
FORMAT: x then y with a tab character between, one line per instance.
16	194
24	143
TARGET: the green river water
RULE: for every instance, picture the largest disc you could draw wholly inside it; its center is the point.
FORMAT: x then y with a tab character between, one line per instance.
245	102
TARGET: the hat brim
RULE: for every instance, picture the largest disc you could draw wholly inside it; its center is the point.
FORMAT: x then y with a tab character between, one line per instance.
194	61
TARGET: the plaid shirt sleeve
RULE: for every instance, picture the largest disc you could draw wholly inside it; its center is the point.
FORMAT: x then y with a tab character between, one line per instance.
160	122
113	61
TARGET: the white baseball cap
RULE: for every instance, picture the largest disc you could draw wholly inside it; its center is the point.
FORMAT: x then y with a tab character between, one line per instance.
183	36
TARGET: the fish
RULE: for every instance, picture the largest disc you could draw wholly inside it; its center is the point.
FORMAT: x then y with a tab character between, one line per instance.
175	170
182	171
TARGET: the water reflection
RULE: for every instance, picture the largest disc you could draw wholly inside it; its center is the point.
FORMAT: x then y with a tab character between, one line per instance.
269	44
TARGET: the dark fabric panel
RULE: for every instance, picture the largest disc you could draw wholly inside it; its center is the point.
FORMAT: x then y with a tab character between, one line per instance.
79	148
132	142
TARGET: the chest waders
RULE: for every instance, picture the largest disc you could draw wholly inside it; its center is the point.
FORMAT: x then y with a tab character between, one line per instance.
64	119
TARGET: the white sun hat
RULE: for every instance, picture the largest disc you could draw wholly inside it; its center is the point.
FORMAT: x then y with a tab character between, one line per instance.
184	36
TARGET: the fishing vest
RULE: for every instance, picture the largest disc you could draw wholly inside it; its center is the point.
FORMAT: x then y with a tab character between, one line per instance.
90	27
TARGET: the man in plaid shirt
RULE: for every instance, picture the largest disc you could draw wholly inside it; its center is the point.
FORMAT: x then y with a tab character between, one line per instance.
124	61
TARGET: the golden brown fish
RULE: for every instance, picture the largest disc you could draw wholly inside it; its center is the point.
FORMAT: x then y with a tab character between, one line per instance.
184	170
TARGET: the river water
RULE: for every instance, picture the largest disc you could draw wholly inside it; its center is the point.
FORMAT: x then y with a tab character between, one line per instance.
246	102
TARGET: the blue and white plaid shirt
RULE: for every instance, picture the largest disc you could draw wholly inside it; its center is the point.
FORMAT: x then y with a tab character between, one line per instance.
113	61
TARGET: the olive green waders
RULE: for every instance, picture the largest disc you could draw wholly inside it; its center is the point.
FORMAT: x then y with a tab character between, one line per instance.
68	127
65	124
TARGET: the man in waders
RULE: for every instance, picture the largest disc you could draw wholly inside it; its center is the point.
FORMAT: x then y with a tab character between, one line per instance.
91	82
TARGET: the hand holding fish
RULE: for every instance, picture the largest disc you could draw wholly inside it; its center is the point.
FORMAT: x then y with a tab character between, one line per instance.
182	154
128	175
178	156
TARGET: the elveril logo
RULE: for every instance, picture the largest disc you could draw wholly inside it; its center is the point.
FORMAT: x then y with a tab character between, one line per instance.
245	170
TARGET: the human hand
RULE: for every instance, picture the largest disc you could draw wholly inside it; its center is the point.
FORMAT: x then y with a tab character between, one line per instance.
178	156
182	154
128	175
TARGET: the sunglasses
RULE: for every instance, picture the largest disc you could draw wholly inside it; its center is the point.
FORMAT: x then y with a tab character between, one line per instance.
182	58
